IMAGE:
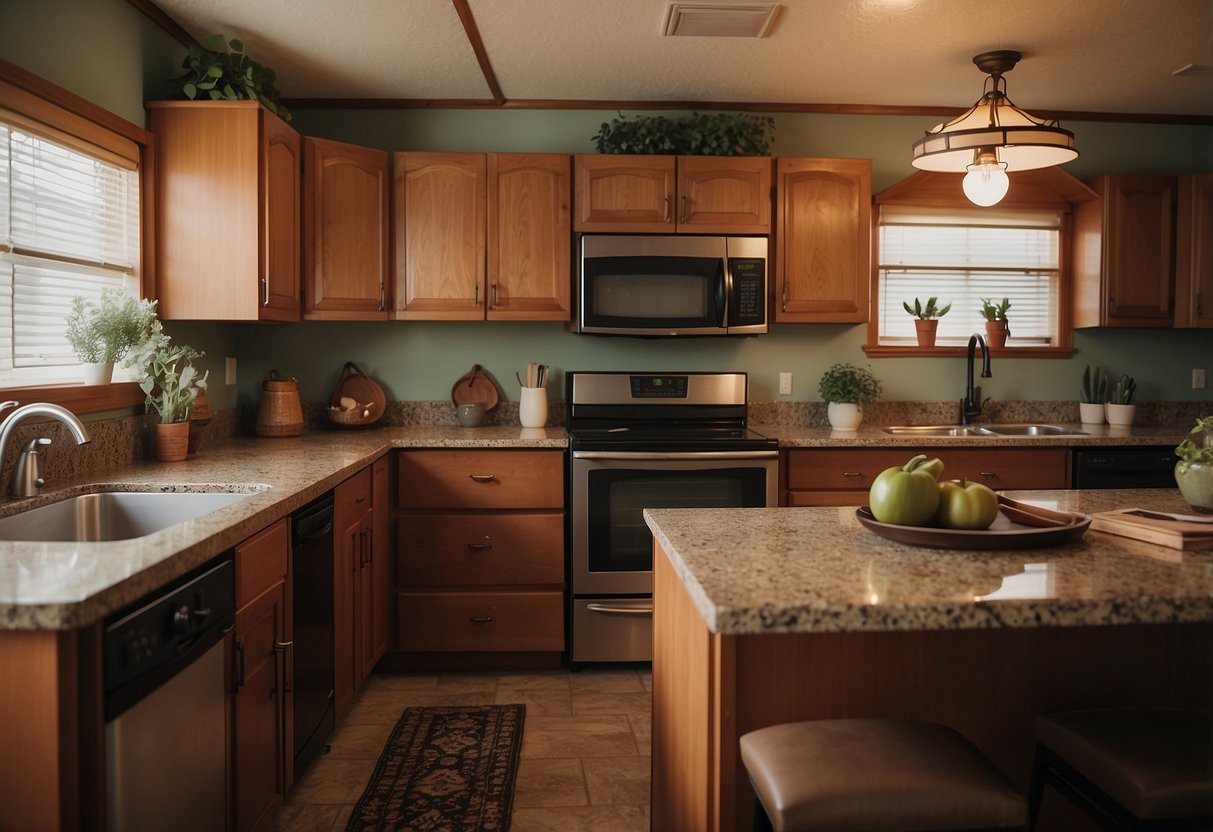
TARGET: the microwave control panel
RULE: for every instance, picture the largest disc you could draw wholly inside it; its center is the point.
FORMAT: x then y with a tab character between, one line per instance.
748	303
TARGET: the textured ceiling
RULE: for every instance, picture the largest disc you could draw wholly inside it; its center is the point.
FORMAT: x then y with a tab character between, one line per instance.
1115	56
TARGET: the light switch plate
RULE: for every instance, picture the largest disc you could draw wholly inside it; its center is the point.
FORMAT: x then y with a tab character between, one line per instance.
1198	378
785	384
229	370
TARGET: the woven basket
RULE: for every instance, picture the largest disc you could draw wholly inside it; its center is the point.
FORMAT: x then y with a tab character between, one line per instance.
280	413
355	384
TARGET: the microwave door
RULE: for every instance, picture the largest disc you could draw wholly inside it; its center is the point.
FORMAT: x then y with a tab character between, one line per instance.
653	295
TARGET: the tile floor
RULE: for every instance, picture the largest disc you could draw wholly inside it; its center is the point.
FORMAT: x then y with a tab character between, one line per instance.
585	746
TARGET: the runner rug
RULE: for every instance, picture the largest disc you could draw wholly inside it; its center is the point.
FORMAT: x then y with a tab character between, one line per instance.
445	768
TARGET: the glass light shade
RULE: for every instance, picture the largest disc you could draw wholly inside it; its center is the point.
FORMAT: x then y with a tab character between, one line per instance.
986	182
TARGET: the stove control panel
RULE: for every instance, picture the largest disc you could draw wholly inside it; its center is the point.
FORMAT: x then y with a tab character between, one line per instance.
659	387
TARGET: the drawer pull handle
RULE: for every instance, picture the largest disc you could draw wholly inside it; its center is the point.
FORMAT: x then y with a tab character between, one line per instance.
988	475
361	499
480	547
607	609
476	620
852	473
481	477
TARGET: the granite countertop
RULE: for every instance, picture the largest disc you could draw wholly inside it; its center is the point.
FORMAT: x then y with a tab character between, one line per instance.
782	570
874	436
56	586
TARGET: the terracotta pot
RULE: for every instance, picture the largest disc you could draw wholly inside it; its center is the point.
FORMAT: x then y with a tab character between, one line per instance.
172	441
925	330
997	333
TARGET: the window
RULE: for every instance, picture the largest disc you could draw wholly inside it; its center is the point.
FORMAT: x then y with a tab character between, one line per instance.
69	225
962	255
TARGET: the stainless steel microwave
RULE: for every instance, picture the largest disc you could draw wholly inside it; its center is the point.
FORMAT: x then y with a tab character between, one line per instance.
671	285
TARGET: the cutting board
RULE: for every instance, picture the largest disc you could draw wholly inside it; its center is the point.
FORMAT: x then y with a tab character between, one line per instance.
1177	534
476	386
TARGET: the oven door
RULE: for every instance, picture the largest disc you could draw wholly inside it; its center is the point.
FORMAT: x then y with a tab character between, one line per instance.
612	549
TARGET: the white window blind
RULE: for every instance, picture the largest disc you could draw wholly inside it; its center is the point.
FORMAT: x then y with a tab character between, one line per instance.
961	256
69	225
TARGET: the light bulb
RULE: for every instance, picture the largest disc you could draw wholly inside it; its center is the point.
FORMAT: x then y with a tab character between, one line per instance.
986	182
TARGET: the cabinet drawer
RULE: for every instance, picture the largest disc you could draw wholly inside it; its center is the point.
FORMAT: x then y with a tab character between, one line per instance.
352	498
481	479
472	548
481	621
261	561
999	468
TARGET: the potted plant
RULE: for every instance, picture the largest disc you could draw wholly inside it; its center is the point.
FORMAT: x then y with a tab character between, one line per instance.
214	73
171	383
926	319
995	314
847	388
699	134
102	332
1093	395
1120	407
1194	471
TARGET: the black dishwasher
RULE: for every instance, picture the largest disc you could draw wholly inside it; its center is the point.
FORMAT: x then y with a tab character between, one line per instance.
1124	467
312	573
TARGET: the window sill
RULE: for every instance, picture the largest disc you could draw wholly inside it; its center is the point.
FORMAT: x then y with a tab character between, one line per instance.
960	351
80	398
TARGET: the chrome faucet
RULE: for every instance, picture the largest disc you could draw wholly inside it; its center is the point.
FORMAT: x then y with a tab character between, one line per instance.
970	405
27	474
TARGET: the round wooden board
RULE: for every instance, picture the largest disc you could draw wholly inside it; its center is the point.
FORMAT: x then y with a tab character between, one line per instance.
476	386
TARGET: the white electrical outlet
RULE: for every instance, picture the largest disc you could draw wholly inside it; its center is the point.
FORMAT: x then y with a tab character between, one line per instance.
1198	378
785	384
229	370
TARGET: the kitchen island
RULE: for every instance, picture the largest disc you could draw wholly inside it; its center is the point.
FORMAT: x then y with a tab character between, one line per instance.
764	616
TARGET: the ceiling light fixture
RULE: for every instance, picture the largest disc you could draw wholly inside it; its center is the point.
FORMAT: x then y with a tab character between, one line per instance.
993	137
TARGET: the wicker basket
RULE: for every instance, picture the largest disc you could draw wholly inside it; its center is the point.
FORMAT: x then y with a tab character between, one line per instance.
354	384
280	413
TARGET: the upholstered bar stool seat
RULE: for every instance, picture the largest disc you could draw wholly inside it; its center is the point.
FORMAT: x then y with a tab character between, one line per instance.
876	774
1129	768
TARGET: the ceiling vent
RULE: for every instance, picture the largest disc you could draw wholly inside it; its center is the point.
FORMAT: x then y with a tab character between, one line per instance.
710	20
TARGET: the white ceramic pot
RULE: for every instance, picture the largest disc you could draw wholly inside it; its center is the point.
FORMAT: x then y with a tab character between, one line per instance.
1091	413
1120	414
533	407
101	373
844	415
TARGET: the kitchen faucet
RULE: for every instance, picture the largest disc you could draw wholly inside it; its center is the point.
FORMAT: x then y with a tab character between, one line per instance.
970	405
27	473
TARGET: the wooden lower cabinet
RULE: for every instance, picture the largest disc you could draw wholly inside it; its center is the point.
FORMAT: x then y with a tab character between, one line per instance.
261	706
842	477
480	555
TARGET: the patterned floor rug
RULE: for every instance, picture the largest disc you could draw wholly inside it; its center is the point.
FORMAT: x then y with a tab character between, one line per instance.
445	769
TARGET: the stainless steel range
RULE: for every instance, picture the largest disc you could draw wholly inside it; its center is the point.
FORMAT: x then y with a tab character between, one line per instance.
648	440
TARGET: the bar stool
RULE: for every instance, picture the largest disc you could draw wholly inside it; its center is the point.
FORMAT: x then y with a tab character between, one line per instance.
1128	768
875	774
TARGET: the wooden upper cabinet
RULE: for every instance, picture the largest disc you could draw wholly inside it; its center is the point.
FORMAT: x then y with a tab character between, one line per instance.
482	235
823	233
692	194
346	227
1124	253
530	237
1194	252
227	182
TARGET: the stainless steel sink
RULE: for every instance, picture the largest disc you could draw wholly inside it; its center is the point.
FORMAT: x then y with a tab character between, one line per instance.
1035	430
112	515
983	430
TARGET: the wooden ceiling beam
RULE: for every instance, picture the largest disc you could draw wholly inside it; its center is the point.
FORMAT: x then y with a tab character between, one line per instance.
482	56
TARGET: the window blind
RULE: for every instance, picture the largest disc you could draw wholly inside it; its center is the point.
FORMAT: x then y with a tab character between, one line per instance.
961	256
69	225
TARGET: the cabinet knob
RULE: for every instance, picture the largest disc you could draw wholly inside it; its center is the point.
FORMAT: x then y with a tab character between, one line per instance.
666	215
265	291
987	475
684	209
485	620
481	547
852	474
481	477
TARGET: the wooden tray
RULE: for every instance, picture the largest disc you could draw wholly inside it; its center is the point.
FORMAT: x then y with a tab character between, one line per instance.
357	386
476	386
1003	534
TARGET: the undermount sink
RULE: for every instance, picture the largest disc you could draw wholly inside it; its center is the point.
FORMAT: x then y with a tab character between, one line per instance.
983	430
112	515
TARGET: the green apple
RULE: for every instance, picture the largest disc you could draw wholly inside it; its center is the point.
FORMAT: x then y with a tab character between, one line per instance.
965	505
909	495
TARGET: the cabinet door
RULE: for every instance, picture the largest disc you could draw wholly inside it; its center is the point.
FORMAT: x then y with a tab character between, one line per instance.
1194	252
280	171
823	240
440	203
724	194
259	721
529	237
381	558
345	231
624	193
347	552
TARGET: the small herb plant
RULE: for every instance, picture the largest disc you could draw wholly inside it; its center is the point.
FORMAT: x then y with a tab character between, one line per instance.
928	312
848	383
1123	392
1190	450
700	134
213	72
167	375
105	330
1094	385
995	311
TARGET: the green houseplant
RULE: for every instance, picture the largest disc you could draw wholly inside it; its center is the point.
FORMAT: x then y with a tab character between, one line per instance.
997	326
847	388
1120	408
699	134
171	383
926	319
221	71
1194	471
1093	395
100	333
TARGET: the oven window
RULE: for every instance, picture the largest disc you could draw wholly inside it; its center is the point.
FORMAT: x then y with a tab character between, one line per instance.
619	540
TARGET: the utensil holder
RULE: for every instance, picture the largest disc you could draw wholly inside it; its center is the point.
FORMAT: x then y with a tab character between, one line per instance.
533	407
